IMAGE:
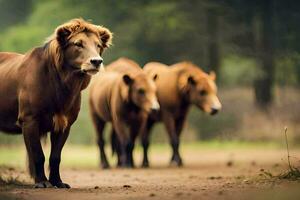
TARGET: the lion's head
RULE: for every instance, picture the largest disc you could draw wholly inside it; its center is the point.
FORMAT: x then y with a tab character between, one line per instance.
79	45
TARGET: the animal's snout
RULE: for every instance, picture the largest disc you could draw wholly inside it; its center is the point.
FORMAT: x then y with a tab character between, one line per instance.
155	106
96	62
216	106
214	111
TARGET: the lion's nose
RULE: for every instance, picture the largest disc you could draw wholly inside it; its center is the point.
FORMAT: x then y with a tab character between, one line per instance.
96	62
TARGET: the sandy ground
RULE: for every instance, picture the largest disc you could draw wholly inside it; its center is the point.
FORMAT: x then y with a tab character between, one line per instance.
209	174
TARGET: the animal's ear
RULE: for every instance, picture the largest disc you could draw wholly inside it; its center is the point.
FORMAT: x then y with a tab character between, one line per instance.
105	36
62	34
191	80
155	77
212	75
127	79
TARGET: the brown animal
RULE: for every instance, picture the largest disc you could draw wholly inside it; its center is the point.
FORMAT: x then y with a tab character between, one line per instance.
178	87
41	91
123	95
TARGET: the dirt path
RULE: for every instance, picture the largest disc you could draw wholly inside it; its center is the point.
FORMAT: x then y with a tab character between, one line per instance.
213	175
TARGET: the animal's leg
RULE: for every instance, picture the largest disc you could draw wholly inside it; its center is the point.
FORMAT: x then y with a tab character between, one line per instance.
58	140
30	129
123	136
170	124
176	158
134	131
145	142
115	146
100	125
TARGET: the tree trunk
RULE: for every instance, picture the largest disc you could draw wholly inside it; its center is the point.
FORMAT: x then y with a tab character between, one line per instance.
213	40
263	86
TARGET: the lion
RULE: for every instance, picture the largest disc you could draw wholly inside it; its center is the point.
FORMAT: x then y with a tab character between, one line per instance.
123	95
41	91
179	86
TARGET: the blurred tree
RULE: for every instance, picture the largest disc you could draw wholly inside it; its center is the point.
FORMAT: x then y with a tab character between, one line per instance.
214	60
263	85
248	43
14	11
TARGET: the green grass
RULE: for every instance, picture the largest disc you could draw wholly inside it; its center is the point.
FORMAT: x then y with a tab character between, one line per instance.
83	156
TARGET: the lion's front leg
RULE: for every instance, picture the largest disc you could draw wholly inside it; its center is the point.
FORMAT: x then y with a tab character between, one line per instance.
58	140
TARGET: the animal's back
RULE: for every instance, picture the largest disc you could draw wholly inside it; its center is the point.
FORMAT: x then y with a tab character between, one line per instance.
186	66
167	90
124	65
6	56
155	67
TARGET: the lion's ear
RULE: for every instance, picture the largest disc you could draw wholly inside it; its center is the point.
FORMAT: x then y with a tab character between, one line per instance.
105	36
62	34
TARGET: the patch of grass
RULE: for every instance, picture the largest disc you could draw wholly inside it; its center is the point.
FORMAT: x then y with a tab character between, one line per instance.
230	144
13	156
292	173
11	181
87	156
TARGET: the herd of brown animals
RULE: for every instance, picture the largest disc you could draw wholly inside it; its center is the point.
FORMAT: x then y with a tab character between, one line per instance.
41	93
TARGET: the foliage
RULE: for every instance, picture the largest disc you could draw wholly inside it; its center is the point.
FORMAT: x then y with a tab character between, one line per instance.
170	31
237	69
165	31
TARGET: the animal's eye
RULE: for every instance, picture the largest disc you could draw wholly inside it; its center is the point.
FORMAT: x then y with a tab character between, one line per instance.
202	92
99	46
141	91
78	44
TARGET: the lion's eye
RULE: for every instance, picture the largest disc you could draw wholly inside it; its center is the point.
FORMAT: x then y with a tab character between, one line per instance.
202	92
141	91
99	46
78	44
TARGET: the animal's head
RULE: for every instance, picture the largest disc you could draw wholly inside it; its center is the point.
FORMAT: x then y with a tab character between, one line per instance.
200	89
79	45
142	91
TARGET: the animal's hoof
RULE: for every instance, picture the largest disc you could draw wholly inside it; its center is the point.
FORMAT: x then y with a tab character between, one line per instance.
125	166
176	163
43	184
62	185
129	165
119	165
105	166
145	165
